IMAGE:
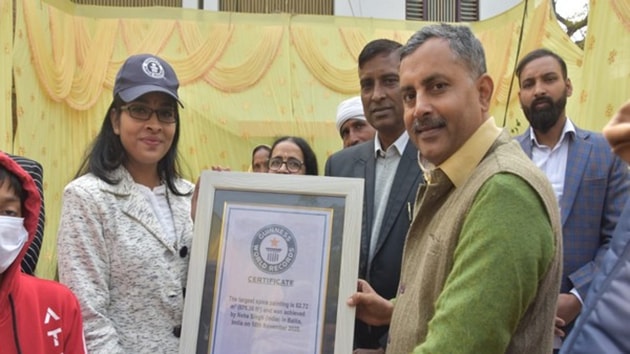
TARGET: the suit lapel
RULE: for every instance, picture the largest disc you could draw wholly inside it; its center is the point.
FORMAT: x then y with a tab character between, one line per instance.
365	165
134	204
577	158
137	208
526	143
407	173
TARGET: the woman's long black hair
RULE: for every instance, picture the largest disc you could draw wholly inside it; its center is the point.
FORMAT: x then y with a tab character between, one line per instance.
107	153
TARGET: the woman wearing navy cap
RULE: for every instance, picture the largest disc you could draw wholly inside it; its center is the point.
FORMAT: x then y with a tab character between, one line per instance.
125	225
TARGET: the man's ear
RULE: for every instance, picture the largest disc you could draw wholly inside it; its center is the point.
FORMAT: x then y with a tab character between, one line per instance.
569	87
114	119
485	86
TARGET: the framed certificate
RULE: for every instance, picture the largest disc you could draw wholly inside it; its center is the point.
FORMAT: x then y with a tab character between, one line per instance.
273	260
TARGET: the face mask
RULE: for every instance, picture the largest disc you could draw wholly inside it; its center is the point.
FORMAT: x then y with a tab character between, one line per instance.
13	236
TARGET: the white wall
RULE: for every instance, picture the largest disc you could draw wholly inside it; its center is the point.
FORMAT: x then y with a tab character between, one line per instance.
395	9
390	9
491	8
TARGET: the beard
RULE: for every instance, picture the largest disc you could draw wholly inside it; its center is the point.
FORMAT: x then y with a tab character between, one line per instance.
543	119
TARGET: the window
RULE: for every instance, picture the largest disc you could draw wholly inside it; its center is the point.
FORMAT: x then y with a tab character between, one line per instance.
130	3
311	7
443	10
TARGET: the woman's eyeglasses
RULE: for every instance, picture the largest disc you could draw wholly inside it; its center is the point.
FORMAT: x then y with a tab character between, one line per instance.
140	112
293	165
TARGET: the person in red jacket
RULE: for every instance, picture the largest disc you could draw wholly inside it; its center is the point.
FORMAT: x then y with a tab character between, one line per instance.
36	315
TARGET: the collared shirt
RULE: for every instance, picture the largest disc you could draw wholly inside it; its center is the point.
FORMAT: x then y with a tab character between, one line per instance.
399	144
461	164
386	166
553	160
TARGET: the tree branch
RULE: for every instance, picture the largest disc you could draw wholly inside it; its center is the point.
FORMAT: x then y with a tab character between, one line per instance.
570	26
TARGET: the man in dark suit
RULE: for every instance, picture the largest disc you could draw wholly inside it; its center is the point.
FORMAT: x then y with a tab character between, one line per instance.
590	182
389	165
32	254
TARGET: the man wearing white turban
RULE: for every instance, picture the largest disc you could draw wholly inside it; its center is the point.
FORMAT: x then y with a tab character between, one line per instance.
351	122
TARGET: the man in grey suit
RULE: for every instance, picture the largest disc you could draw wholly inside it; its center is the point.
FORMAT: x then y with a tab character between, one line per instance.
590	182
388	163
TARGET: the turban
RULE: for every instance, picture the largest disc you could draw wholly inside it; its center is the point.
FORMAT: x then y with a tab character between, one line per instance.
351	108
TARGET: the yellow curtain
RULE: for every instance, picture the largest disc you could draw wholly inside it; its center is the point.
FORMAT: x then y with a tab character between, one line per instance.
606	70
539	29
6	66
247	78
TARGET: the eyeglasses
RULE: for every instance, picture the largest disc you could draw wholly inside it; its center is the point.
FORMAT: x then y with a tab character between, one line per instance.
293	165
140	112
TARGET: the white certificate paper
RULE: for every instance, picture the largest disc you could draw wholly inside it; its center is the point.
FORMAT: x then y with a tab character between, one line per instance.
271	279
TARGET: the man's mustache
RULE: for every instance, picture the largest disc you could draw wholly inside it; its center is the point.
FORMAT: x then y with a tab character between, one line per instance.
423	124
539	100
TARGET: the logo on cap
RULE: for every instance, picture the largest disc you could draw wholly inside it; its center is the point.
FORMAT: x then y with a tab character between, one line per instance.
153	68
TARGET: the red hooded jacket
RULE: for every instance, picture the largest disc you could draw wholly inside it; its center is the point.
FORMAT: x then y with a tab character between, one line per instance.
36	315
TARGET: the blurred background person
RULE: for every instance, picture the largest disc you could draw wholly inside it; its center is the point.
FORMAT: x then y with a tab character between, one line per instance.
260	161
351	122
292	155
260	158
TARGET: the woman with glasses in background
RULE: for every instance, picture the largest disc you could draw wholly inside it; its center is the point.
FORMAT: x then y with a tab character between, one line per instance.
292	155
125	227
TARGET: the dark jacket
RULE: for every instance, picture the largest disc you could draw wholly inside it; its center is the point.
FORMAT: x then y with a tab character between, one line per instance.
383	274
602	326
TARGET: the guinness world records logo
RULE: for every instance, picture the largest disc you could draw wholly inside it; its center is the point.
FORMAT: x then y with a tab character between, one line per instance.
153	68
273	249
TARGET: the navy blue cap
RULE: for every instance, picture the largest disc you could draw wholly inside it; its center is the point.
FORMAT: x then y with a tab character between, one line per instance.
144	73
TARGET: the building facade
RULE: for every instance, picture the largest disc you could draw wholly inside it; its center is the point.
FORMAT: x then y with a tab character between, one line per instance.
421	10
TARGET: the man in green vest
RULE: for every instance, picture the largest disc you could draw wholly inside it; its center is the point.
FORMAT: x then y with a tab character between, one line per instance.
482	259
